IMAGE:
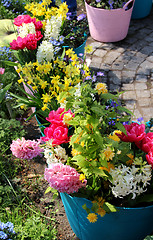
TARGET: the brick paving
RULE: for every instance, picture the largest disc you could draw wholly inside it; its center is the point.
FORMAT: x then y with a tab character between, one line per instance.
128	66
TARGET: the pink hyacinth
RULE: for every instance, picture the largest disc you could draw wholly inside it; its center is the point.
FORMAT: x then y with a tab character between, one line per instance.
135	133
26	149
59	134
64	178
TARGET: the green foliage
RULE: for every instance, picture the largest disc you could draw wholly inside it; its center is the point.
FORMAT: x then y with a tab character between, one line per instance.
35	229
9	130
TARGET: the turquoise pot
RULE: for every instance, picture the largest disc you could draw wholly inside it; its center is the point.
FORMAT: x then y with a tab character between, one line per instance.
80	50
126	224
41	126
141	9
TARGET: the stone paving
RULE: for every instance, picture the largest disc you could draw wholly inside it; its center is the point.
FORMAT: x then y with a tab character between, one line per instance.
128	66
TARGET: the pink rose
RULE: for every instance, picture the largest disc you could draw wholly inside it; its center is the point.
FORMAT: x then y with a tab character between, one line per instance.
59	134
146	143
31	43
135	133
2	70
22	19
149	158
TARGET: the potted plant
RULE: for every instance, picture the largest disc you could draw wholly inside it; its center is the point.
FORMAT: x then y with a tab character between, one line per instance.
109	20
75	32
101	163
141	9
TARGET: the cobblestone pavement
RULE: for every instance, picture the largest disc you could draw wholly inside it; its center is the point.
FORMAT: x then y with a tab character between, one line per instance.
128	66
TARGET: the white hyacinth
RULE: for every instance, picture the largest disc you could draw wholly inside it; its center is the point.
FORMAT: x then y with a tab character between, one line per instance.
130	180
54	156
52	28
45	52
26	28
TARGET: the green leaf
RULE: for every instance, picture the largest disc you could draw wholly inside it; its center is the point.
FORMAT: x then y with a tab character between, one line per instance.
121	127
10	63
98	138
3	91
109	207
123	109
85	208
49	189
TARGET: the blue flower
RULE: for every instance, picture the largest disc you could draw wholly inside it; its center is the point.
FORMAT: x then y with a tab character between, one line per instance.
100	74
81	16
3	235
111	2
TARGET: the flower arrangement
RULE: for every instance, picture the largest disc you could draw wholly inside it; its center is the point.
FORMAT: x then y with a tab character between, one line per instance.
75	31
108	4
94	150
46	81
35	32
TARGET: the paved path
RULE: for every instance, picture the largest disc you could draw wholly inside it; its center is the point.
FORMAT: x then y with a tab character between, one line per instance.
128	66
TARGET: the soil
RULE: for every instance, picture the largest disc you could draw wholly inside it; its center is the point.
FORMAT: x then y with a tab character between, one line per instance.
35	186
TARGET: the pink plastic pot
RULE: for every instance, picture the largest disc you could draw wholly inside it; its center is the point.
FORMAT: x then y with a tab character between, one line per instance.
109	25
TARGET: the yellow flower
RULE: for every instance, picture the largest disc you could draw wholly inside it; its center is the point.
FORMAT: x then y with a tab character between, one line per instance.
129	162
74	152
110	166
69	52
46	98
67	117
88	49
43	84
101	88
92	217
114	136
34	88
44	107
21	80
23	106
101	212
82	177
109	154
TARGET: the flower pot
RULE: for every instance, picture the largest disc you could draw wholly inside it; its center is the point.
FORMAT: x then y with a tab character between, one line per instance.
141	9
80	50
109	25
127	223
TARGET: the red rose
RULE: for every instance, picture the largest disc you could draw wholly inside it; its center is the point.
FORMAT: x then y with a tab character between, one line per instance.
146	143
149	157
135	133
59	134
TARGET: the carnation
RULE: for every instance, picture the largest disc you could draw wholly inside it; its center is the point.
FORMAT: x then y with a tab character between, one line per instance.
26	149
64	178
45	52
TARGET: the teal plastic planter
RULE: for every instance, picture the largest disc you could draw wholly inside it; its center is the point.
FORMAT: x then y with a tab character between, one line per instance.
126	224
41	126
80	50
141	9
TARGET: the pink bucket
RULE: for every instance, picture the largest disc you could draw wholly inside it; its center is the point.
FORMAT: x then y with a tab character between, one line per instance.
109	25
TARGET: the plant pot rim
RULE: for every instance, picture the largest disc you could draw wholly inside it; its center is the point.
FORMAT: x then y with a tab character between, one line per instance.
120	208
108	10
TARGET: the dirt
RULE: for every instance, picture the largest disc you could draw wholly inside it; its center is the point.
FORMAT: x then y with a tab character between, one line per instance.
33	181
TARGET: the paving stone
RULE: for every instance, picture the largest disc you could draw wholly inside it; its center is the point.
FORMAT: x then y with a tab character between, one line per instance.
144	102
147	113
127	87
140	86
129	95
128	76
111	56
147	50
141	78
132	65
100	53
117	65
150	59
143	93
